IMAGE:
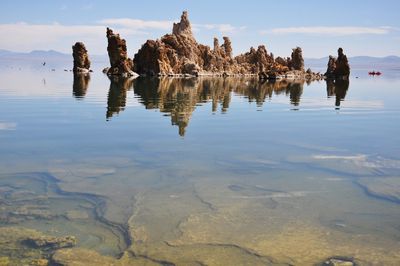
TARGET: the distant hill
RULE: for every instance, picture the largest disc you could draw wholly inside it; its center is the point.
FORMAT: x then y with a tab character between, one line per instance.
50	55
367	62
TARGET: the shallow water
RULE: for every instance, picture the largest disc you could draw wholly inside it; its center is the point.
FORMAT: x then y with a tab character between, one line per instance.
210	171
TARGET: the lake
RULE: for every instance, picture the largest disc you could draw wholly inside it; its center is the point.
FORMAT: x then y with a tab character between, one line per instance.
207	171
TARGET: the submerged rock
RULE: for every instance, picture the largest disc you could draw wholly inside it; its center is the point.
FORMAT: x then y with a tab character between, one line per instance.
49	242
81	58
121	65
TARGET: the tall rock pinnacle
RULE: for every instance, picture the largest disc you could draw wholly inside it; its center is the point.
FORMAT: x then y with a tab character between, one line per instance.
183	27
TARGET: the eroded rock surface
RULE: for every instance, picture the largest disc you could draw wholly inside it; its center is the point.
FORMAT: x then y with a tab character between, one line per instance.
81	58
121	65
338	67
180	54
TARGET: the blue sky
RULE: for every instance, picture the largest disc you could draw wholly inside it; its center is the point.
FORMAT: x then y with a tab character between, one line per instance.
319	27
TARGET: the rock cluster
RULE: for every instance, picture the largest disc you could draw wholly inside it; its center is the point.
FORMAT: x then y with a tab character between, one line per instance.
180	54
81	58
338	67
121	65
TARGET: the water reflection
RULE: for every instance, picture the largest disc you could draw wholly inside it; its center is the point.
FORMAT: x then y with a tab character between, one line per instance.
116	100
80	85
179	97
338	88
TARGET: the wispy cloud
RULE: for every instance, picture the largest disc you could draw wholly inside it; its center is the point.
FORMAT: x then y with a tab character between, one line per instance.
27	37
333	31
138	24
223	28
7	126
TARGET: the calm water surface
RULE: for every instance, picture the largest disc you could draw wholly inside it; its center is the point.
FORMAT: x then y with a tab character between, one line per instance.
207	171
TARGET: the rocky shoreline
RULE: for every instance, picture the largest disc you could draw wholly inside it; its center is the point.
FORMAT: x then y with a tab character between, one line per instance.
178	54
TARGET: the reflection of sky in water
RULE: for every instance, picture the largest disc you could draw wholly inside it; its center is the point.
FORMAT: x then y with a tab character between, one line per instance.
194	168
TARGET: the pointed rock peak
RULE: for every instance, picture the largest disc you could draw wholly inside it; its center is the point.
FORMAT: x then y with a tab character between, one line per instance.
216	44
183	27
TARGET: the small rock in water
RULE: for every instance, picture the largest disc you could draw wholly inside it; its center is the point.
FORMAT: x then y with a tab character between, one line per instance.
339	262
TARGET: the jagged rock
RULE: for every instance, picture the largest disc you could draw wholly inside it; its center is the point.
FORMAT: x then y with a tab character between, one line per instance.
279	60
121	65
330	71
297	61
227	47
216	45
338	68
81	58
183	27
179	54
342	65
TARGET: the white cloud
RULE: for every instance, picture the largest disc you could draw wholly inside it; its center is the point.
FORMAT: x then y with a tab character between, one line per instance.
223	28
138	24
333	31
25	37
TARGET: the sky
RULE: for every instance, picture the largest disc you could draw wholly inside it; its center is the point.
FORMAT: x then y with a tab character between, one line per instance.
319	27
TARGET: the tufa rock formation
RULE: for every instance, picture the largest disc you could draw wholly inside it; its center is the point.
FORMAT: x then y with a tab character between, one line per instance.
180	54
342	65
338	68
81	58
297	61
121	65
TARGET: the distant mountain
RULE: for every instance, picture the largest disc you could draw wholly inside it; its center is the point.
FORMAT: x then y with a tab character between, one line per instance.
50	55
368	62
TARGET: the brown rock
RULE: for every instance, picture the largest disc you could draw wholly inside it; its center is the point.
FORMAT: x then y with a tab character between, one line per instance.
338	68
342	65
330	71
297	61
117	52
180	54
227	47
183	27
81	58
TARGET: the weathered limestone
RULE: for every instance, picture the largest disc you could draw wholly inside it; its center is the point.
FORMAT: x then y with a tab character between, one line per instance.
121	65
297	61
81	58
338	67
342	65
179	54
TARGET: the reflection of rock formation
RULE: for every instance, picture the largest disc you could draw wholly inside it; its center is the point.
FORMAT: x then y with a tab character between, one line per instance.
117	94
295	91
80	85
81	58
179	97
338	88
121	65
